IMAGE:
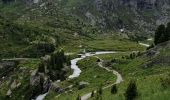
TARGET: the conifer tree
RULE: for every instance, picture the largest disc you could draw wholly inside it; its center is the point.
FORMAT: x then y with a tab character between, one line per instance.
131	92
114	89
41	67
167	33
160	34
78	97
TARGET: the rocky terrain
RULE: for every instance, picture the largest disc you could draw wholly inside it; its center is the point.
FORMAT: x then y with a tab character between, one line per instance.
139	16
131	15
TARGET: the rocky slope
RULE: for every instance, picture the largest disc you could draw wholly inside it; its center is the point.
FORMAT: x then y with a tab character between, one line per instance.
158	55
133	15
139	16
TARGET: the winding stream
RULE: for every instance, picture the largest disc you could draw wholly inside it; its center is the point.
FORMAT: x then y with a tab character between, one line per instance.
42	96
76	69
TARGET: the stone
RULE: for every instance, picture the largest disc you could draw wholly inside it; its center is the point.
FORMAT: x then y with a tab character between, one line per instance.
9	92
82	85
13	85
34	78
19	84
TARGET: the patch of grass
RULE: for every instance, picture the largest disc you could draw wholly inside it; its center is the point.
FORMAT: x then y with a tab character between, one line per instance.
30	64
108	43
112	43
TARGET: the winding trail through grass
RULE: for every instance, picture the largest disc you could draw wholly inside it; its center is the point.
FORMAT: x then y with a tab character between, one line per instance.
118	80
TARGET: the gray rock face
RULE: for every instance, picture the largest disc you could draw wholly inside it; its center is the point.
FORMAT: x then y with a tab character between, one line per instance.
145	4
156	57
6	67
34	78
136	16
141	15
134	4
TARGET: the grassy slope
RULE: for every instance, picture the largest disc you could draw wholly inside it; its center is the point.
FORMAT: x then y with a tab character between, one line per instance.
147	79
29	21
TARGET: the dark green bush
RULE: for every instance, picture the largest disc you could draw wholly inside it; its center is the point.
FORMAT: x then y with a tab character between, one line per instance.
131	92
114	89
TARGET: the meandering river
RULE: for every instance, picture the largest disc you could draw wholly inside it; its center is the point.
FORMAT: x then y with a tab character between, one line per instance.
76	69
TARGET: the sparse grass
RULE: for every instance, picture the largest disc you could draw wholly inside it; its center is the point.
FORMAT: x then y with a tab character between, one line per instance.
30	64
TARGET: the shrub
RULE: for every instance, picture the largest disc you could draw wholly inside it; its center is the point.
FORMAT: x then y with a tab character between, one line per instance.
151	46
78	97
100	91
114	89
131	92
41	67
165	82
92	94
132	55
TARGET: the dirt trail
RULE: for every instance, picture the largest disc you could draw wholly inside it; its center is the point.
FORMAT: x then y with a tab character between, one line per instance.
118	80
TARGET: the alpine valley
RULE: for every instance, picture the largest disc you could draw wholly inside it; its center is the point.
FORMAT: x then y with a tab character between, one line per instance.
84	49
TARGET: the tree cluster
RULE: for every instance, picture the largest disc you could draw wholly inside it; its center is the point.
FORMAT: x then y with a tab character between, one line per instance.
57	60
132	55
56	64
45	48
162	34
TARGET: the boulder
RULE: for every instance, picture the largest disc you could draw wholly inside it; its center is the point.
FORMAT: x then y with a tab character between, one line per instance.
82	85
19	84
34	78
13	85
55	87
9	93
